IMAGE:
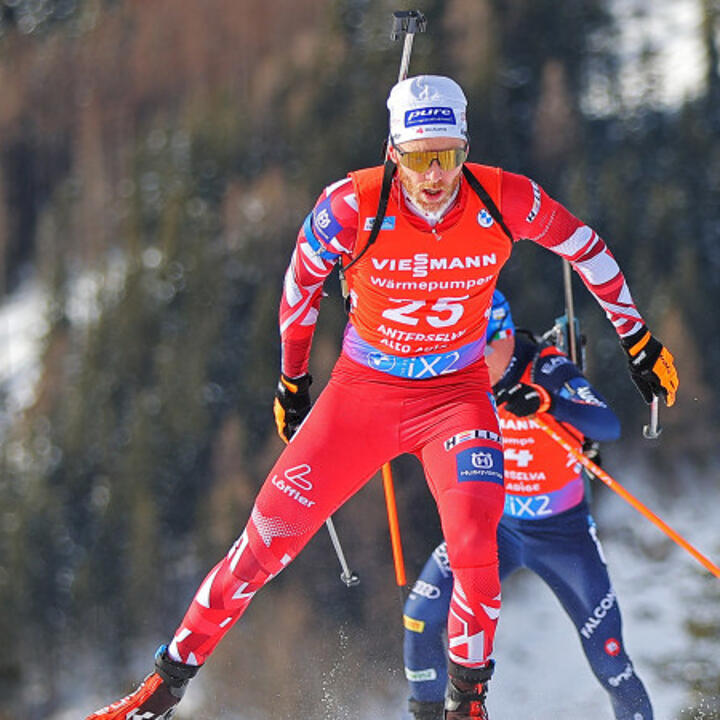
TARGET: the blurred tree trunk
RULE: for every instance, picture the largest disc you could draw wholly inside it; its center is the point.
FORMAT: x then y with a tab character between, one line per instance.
711	16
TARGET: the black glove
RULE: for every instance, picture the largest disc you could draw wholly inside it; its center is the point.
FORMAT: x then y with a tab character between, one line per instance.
292	404
525	399
652	367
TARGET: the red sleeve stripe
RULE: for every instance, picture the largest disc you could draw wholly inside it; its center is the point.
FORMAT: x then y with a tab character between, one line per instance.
580	242
628	312
330	189
291	286
598	270
312	262
291	291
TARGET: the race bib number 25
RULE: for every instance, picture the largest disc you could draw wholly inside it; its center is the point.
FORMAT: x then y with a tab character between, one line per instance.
444	312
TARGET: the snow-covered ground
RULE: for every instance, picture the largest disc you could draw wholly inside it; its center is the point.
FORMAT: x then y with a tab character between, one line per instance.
672	31
22	327
663	60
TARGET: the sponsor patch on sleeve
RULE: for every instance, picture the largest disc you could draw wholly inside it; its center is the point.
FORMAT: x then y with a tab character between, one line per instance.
413	625
480	464
425	675
324	222
388	223
467	435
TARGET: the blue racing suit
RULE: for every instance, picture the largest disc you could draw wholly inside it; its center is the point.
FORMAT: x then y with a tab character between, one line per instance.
546	528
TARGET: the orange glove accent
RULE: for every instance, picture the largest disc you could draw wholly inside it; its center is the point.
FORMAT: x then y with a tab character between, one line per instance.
652	366
292	404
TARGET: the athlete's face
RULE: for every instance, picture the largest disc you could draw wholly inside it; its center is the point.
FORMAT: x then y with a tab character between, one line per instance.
429	190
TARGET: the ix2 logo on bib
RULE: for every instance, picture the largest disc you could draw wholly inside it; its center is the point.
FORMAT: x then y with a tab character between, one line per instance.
480	464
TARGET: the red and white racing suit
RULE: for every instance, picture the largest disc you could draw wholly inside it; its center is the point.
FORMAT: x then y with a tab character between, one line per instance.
411	379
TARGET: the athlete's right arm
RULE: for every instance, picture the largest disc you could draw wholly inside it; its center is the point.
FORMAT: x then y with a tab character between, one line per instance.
327	234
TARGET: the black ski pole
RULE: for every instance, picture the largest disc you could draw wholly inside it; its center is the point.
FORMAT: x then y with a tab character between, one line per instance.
570	312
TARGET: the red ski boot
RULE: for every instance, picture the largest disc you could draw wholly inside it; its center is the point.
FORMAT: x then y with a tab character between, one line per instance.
157	695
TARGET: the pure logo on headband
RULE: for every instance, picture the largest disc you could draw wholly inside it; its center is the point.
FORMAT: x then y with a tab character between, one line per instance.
430	116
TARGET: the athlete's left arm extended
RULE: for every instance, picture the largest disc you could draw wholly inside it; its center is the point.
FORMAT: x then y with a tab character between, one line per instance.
533	215
574	400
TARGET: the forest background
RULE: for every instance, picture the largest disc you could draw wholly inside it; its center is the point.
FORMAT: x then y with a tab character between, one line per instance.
156	161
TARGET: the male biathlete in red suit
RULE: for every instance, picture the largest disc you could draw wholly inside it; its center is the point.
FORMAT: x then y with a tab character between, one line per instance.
411	377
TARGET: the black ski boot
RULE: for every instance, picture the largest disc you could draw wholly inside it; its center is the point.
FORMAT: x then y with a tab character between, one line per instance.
425	709
466	690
